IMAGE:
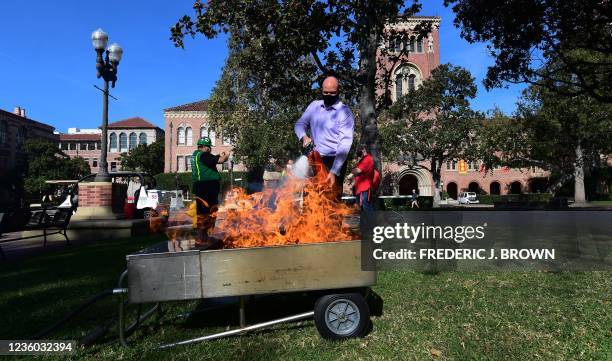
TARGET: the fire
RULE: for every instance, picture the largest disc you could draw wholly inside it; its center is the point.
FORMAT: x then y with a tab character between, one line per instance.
297	211
282	216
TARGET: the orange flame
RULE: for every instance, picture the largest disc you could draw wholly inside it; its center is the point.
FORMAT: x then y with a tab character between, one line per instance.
297	211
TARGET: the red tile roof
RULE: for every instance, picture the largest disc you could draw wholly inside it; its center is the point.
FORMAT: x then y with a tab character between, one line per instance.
135	122
82	137
199	106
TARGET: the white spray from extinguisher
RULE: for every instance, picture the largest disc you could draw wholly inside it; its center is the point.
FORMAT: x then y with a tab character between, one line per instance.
301	167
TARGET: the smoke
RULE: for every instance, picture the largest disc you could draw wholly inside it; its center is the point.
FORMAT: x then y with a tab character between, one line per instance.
301	168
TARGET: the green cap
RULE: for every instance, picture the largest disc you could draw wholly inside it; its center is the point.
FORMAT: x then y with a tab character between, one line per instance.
205	141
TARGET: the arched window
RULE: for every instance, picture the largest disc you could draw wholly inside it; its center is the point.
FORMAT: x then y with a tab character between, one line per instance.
398	86
407	78
205	131
412	41
3	132
142	138
123	142
180	136
113	142
133	140
411	82
189	136
420	44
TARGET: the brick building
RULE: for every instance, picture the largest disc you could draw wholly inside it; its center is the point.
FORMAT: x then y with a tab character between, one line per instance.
15	129
123	135
406	75
184	125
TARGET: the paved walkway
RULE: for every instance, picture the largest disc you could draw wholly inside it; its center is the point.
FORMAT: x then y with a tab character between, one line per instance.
25	248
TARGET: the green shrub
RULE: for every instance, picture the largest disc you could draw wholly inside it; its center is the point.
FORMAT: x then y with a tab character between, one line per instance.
531	197
168	181
403	204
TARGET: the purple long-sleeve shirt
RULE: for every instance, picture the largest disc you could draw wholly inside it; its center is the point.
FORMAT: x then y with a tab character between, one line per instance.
331	130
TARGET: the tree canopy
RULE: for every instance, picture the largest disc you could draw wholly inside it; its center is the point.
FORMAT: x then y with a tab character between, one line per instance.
564	135
147	158
45	161
434	123
538	41
290	45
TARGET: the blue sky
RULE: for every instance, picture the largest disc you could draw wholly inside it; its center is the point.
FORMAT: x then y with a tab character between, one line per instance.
47	64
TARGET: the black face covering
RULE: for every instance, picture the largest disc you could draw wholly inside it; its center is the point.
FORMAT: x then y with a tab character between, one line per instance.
330	100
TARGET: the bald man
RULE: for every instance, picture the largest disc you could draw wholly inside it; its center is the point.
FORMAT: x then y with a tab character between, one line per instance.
331	125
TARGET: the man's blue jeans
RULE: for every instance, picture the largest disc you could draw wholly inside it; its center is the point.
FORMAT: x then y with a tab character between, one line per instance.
366	203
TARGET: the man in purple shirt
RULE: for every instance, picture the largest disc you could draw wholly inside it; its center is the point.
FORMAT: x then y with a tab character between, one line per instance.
331	125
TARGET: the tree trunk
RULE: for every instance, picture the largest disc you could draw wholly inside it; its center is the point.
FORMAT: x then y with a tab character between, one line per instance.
579	193
435	174
553	188
367	97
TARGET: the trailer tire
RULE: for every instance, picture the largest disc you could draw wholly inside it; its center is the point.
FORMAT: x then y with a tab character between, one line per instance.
340	316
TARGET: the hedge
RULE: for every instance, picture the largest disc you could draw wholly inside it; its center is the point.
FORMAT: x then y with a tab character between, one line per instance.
531	197
403	204
167	181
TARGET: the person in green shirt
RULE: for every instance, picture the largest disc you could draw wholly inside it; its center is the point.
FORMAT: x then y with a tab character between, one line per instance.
205	177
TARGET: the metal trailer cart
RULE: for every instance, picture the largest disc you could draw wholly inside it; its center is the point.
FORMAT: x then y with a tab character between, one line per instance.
332	269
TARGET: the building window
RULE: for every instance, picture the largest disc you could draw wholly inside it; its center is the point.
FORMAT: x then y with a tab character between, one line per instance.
21	135
91	146
3	132
113	142
83	146
142	138
113	166
133	140
411	82
407	79
213	137
205	131
73	146
86	160
123	147
226	139
180	136
98	145
188	163
180	163
64	146
94	162
420	44
189	136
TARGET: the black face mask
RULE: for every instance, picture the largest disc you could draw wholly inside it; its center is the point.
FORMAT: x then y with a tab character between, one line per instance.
330	100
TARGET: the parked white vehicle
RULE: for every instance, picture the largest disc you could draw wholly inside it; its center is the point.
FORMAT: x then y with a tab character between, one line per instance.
467	198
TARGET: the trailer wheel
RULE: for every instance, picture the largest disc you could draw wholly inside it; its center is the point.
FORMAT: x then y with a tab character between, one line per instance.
340	316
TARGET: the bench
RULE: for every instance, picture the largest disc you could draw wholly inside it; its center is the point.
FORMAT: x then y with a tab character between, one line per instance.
48	220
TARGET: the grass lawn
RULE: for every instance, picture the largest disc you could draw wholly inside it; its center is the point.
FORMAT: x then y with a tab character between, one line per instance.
448	316
601	203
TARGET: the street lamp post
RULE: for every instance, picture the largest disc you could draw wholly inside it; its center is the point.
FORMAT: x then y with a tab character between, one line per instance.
106	65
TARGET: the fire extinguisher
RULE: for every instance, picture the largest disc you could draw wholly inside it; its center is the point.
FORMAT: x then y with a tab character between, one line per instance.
314	159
